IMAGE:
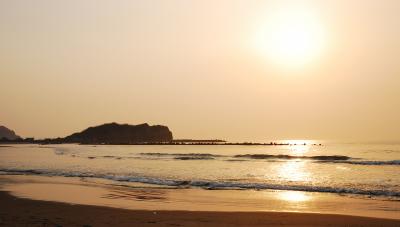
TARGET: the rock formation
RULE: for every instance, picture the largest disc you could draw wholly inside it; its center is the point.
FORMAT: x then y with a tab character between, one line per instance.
114	133
8	134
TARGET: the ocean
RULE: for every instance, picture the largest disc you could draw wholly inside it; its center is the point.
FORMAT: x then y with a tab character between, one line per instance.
349	169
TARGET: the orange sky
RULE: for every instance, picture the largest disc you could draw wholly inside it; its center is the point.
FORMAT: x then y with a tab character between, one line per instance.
196	66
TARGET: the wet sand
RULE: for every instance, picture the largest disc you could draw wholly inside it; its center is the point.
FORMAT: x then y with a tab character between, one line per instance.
25	212
60	201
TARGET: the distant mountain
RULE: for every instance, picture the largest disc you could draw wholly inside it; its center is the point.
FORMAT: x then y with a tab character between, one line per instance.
8	134
114	133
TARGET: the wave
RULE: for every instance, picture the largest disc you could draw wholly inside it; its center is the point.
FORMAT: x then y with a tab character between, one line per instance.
113	157
332	159
194	158
335	159
206	156
210	185
236	160
182	154
281	156
374	163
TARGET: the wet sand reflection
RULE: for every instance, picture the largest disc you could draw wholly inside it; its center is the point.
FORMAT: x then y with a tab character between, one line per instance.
137	195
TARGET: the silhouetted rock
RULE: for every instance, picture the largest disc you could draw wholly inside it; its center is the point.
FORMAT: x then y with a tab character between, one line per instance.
8	134
114	133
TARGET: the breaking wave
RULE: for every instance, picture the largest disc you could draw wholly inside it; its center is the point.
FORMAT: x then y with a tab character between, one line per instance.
210	185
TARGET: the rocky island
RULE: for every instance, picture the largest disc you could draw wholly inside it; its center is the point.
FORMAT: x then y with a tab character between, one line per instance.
125	134
8	134
113	133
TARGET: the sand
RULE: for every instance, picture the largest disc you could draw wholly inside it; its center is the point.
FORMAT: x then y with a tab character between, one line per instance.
25	212
55	201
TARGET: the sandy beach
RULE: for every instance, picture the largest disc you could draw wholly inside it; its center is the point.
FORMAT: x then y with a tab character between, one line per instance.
25	212
59	201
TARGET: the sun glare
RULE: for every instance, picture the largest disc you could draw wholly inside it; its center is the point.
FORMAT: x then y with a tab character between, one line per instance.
291	37
293	196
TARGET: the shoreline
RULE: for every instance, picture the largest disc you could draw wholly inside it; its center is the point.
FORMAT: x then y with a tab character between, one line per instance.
72	201
168	143
21	211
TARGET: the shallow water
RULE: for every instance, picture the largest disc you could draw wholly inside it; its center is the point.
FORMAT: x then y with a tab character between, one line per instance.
352	169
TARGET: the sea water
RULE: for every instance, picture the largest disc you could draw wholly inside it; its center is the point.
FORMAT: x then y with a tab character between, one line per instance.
352	169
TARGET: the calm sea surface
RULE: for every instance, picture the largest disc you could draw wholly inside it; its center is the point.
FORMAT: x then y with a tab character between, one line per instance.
371	170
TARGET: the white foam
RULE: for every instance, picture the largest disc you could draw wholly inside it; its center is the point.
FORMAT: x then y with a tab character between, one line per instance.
210	184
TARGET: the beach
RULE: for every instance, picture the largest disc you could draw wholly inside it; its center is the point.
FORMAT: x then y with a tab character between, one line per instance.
60	201
25	212
156	185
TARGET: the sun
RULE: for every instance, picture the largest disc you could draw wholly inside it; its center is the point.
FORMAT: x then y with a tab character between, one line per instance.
291	37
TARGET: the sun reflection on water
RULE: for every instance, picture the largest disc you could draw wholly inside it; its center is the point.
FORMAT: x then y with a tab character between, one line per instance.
293	171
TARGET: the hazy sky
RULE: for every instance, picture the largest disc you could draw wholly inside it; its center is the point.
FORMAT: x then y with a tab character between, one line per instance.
206	69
